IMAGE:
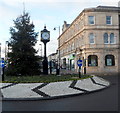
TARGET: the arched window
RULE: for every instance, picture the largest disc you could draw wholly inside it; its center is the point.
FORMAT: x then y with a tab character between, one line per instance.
106	38
92	60
91	38
109	60
112	40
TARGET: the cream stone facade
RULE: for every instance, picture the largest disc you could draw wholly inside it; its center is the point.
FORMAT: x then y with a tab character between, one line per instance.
94	38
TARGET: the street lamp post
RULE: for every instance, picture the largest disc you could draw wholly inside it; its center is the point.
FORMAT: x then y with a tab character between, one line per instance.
45	37
58	50
58	28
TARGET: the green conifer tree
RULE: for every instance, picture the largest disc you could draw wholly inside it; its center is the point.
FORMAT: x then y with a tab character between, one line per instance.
22	58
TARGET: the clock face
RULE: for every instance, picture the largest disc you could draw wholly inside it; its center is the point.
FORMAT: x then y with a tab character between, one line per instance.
45	35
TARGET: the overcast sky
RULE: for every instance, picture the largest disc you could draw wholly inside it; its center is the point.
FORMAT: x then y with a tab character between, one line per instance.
50	12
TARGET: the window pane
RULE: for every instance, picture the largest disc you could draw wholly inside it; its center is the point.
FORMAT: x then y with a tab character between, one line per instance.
108	19
92	60
91	19
109	60
91	38
112	38
105	38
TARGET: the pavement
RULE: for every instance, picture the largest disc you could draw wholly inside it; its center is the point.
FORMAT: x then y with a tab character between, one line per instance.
41	91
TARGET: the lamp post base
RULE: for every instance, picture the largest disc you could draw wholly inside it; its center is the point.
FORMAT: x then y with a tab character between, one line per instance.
45	66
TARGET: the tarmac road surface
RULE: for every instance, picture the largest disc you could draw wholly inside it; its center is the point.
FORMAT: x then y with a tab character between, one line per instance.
105	100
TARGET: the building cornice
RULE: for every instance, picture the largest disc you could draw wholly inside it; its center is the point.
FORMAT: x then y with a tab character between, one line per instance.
103	9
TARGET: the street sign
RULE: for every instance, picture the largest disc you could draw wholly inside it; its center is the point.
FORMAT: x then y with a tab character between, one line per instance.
2	63
79	63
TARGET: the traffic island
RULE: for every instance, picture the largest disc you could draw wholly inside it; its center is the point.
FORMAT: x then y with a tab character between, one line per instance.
42	91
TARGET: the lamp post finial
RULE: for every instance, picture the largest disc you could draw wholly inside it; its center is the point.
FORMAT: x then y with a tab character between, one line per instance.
45	26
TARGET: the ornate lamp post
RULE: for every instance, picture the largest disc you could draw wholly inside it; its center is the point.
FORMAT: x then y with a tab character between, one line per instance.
45	37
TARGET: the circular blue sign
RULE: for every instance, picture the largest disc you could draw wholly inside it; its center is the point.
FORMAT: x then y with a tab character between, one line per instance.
2	62
79	62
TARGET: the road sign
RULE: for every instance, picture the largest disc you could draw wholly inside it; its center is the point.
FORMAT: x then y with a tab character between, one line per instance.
79	63
2	62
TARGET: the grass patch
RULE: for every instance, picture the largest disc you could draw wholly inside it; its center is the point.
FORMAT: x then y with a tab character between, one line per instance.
42	78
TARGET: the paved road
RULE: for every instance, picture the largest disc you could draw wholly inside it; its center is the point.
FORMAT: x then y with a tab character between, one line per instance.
105	100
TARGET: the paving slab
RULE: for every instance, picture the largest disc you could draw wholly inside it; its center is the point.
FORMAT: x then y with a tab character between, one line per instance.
101	80
20	91
88	85
4	84
59	88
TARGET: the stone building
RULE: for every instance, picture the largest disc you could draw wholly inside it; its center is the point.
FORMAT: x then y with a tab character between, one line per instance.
53	60
94	38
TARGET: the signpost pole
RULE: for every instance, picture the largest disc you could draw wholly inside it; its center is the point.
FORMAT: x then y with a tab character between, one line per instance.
79	63
79	72
3	70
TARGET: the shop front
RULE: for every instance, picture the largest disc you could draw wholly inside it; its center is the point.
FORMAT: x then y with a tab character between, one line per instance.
68	62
